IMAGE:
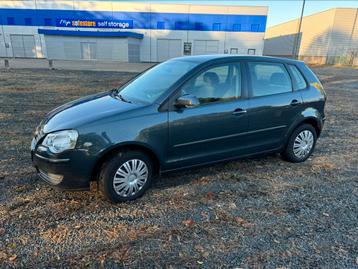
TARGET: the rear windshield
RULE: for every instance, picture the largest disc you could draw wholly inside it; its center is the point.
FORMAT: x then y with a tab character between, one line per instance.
154	82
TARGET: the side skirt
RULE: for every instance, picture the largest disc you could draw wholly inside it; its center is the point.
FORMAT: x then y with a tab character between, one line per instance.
276	150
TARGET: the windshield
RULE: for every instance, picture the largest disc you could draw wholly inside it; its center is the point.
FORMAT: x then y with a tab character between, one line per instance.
154	82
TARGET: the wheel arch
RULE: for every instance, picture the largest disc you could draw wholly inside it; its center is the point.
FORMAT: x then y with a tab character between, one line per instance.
312	120
122	147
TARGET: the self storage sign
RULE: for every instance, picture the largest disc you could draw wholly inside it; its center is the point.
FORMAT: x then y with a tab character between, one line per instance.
118	24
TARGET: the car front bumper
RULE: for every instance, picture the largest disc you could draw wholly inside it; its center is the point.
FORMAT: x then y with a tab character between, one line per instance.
71	170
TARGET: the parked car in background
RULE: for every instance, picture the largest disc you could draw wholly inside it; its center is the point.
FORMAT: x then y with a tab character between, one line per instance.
182	113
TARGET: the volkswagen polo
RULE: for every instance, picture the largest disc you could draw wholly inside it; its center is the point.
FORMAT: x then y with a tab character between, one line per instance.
182	113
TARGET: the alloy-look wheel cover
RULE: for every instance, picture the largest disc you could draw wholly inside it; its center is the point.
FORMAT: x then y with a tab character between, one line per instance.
303	144
130	178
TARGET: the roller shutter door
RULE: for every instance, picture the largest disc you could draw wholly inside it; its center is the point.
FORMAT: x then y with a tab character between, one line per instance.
23	46
168	48
206	47
29	46
88	50
17	44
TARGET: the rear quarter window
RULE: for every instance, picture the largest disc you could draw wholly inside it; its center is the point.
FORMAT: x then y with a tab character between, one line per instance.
298	77
269	78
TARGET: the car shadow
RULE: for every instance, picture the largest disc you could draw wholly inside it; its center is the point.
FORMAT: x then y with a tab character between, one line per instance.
186	176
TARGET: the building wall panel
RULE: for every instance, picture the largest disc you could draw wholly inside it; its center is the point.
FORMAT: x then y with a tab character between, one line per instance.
323	35
58	4
314	36
343	31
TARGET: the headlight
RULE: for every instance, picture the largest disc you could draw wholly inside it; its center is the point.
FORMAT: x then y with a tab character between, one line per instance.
60	141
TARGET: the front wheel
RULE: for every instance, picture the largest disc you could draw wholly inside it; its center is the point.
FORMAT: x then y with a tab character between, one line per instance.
125	176
300	144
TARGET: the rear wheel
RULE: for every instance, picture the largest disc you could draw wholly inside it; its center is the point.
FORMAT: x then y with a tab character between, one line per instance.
125	176
300	144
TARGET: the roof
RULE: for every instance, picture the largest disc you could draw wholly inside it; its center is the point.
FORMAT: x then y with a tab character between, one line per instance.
218	57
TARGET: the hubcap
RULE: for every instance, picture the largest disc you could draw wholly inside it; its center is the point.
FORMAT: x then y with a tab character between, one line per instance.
303	144
130	178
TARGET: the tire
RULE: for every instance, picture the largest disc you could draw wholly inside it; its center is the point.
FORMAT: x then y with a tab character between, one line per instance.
291	152
113	180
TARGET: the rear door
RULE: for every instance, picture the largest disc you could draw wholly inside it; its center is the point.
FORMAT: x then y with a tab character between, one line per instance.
273	104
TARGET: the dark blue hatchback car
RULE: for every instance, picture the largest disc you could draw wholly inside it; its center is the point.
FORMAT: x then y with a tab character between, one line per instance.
182	113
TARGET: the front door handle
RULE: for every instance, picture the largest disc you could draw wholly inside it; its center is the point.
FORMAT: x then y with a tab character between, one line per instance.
239	111
295	102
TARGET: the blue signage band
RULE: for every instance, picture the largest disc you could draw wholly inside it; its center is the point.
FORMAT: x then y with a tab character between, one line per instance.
134	20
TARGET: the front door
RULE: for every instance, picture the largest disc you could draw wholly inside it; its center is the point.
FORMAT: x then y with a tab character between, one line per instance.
216	128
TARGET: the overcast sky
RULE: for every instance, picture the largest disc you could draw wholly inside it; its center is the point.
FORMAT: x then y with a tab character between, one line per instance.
279	10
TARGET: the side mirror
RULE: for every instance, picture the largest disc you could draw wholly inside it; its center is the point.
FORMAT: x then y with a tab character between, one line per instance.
187	100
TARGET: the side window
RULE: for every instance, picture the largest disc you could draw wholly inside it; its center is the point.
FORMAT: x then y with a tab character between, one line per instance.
216	84
300	81
269	78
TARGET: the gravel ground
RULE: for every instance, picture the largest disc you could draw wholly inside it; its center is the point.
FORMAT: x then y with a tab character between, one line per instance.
255	213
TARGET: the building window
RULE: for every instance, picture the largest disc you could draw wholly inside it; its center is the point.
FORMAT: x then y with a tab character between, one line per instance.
48	22
216	26
28	21
236	27
180	25
160	25
255	27
198	26
10	20
251	51
234	51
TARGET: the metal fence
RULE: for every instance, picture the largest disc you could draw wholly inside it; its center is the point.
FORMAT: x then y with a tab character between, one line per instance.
350	58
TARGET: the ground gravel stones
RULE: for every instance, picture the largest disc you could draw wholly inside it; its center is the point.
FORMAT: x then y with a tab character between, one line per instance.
260	212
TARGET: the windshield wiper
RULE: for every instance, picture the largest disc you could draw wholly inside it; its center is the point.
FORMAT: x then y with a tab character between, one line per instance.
117	94
123	99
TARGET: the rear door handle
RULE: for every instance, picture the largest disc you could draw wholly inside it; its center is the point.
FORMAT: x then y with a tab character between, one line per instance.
295	102
239	111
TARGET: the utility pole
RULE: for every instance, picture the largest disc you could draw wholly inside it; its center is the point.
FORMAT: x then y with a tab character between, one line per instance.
297	38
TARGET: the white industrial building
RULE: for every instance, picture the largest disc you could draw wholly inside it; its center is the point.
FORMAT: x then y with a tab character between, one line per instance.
328	37
129	32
